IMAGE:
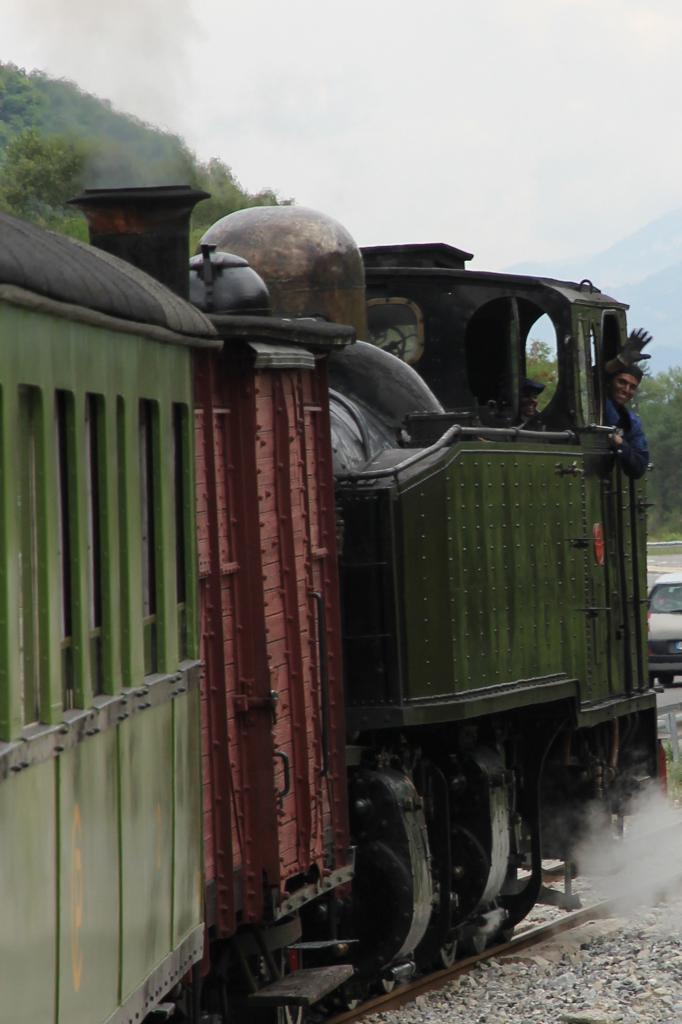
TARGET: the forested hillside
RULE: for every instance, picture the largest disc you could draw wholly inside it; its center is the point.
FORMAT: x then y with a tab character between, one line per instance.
56	139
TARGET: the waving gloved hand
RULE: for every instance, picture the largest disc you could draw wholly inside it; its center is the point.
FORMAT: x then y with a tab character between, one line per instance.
631	353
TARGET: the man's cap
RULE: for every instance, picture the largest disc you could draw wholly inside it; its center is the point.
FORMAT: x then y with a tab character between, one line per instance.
534	386
615	369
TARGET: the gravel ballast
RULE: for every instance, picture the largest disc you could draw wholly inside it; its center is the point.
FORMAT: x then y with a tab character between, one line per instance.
625	969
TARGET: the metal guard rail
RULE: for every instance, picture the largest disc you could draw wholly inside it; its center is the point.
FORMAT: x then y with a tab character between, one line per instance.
456	433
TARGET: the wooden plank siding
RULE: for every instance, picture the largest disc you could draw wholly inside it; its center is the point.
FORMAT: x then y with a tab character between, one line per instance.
266	538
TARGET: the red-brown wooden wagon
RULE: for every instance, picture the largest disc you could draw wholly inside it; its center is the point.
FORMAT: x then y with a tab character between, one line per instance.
275	816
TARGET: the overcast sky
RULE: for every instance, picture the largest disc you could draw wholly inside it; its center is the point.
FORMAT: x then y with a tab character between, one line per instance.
516	129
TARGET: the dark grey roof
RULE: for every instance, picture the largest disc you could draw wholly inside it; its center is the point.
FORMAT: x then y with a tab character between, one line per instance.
416	254
70	271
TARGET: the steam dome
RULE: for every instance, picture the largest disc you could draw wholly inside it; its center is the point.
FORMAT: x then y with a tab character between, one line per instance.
309	262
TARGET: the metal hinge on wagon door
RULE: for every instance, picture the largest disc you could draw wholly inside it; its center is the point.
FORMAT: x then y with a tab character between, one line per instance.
244	702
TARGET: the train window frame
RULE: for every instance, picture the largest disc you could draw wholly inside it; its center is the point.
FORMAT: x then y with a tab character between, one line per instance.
182	497
30	505
609	348
595	354
95	460
585	387
64	423
547	405
399	300
507	358
598	342
149	464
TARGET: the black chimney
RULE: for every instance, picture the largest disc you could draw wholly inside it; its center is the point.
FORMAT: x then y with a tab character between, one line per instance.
148	227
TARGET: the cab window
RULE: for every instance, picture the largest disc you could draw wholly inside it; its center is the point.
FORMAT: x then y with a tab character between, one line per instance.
397	325
492	344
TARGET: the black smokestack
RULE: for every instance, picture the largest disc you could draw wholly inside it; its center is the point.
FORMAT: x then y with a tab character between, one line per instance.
148	227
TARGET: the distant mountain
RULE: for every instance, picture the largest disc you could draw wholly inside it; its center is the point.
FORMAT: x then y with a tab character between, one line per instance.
656	303
645	270
654	247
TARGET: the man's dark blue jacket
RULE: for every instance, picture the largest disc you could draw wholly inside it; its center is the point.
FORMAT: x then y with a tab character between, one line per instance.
633	454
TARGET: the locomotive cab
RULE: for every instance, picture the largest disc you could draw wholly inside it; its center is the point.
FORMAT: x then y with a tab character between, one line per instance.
472	336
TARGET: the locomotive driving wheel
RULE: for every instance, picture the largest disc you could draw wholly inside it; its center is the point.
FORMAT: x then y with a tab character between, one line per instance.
471	867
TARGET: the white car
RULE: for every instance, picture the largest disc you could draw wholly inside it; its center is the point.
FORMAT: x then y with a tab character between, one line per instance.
665	628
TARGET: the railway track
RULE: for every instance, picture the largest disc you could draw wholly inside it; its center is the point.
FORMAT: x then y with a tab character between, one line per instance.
532	936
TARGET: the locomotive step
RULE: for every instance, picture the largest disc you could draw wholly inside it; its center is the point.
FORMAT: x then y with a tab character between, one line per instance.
304	988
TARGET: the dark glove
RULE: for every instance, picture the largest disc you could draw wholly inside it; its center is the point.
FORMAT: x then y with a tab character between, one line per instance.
631	353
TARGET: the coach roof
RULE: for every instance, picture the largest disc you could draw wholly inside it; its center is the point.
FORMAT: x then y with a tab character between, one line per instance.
68	271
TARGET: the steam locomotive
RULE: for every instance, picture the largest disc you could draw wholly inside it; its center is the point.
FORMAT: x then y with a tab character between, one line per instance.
294	701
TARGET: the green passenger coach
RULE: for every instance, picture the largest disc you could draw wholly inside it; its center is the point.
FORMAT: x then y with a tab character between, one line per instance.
101	865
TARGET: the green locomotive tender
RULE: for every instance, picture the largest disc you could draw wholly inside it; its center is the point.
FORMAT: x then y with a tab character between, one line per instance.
100	874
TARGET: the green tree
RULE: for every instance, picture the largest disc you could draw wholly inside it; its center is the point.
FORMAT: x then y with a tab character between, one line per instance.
659	402
541	366
21	102
227	195
38	174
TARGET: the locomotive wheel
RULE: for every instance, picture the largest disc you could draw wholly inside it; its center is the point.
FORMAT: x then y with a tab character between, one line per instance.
474	865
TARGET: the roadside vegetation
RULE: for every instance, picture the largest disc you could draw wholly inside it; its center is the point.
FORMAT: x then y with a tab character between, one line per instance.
659	403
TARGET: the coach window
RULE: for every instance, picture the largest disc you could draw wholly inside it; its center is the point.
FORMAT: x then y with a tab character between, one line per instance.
94	409
397	325
64	411
30	509
182	516
147	487
148	432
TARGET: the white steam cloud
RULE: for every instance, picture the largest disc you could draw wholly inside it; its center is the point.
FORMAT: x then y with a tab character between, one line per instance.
135	52
643	866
